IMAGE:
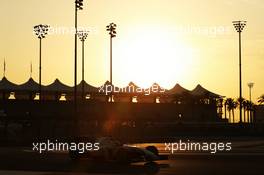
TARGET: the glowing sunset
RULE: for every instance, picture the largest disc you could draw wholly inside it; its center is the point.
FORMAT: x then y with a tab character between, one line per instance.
157	41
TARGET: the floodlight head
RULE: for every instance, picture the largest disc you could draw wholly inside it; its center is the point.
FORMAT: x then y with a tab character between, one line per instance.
239	25
112	29
82	35
79	4
41	30
250	84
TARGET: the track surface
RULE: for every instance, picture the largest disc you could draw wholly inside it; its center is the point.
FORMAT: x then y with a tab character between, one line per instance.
22	161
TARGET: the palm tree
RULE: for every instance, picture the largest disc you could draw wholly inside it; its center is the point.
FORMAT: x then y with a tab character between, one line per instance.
225	104
253	110
231	106
250	108
261	99
244	106
234	106
247	109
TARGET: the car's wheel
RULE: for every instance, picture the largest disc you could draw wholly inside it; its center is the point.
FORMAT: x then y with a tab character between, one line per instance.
153	149
121	156
151	168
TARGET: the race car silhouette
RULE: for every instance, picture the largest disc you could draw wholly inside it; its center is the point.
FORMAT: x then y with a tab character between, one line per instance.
113	151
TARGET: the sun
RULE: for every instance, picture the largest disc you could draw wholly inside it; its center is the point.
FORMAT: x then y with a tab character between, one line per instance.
153	54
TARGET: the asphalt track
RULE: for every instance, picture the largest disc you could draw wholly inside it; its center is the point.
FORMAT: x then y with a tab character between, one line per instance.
246	157
23	161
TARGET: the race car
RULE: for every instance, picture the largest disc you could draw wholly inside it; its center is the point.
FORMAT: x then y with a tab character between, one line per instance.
112	151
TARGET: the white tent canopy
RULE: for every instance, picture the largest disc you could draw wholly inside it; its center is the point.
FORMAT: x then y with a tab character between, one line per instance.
87	87
177	90
132	88
30	85
57	86
201	91
6	85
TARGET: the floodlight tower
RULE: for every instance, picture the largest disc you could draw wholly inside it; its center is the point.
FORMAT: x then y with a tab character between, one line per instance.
111	28
82	36
78	6
239	26
41	31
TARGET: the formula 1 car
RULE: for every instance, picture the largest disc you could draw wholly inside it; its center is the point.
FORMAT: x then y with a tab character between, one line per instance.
113	151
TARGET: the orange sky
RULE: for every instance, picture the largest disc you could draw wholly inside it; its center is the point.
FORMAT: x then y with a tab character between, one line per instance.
163	41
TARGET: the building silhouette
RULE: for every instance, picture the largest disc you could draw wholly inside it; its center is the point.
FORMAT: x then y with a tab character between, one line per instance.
133	108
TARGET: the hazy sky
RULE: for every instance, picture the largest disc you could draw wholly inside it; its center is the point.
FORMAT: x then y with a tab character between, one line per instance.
163	41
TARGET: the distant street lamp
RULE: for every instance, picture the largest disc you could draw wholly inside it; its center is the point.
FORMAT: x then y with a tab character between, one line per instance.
82	36
112	32
239	26
78	6
41	31
250	85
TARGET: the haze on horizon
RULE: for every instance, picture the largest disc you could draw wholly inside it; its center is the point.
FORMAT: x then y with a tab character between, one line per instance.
187	42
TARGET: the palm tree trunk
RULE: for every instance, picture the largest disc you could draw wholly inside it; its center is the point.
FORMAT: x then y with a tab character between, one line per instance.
251	117
225	111
244	115
248	116
233	116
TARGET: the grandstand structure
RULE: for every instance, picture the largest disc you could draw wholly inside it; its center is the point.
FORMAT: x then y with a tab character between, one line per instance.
131	93
131	106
